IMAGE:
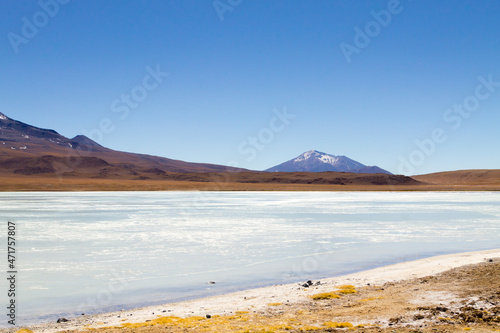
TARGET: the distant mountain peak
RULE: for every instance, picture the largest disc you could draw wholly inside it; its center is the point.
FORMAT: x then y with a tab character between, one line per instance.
316	161
326	158
309	154
82	139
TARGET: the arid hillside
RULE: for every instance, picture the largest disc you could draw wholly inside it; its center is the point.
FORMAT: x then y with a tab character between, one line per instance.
462	177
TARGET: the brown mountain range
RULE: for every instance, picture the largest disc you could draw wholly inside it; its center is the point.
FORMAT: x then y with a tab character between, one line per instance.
33	158
29	150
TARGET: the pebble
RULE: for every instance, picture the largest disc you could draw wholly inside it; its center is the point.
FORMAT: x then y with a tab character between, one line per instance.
307	284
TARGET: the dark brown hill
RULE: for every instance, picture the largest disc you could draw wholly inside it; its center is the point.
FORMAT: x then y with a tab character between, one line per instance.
30	150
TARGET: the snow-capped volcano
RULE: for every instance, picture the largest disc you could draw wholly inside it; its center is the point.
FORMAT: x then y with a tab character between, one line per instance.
315	161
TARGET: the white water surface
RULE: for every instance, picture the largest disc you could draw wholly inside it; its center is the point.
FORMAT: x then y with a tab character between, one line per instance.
88	252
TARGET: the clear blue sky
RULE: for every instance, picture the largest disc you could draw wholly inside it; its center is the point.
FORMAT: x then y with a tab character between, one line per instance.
230	63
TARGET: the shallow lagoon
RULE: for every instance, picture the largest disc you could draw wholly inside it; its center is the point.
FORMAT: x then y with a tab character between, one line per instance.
87	252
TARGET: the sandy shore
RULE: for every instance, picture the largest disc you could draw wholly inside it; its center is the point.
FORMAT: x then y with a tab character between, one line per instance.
281	300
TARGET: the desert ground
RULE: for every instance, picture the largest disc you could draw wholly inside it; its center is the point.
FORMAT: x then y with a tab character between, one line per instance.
467	180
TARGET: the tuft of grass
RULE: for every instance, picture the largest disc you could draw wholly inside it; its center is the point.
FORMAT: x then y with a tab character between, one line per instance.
346	289
332	324
188	322
445	319
329	295
274	304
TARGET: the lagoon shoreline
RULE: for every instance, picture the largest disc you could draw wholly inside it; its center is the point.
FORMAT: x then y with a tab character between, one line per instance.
282	298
